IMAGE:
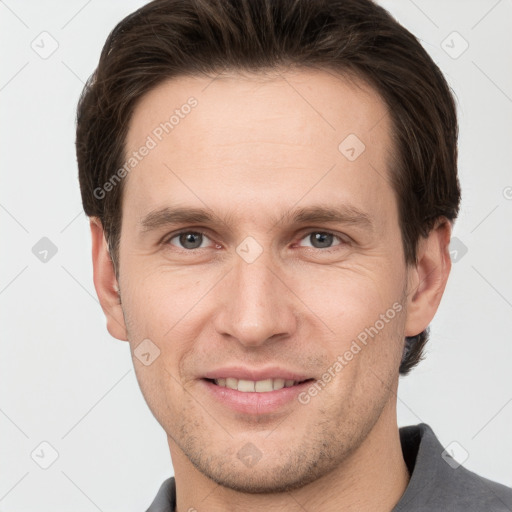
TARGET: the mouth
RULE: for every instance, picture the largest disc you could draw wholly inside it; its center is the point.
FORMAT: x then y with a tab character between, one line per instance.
256	386
255	398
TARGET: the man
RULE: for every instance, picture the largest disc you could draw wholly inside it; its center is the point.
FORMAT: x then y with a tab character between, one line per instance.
272	187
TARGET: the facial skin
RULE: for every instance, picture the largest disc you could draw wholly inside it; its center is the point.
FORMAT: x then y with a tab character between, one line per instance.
252	152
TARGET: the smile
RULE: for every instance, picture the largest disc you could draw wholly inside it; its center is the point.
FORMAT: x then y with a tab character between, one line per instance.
258	386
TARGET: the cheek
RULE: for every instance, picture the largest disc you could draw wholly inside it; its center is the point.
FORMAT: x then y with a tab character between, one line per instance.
156	301
365	317
348	299
164	308
158	383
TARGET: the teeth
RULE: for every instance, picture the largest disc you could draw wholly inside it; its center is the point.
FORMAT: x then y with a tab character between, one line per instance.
262	385
278	384
231	383
259	386
245	385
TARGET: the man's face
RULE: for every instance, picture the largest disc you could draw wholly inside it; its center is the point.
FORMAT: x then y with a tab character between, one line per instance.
263	293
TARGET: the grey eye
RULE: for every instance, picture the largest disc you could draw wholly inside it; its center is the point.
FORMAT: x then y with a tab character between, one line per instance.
321	239
189	240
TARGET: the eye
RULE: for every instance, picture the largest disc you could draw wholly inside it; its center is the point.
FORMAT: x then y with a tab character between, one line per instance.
189	240
322	239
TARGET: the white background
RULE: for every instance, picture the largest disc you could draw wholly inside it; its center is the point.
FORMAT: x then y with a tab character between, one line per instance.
67	382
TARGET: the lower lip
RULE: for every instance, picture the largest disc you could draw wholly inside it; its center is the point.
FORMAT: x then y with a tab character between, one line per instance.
253	402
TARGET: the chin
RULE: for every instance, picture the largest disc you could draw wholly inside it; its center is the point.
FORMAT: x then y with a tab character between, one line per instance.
277	477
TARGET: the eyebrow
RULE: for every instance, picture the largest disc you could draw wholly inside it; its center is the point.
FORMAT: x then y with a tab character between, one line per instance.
342	214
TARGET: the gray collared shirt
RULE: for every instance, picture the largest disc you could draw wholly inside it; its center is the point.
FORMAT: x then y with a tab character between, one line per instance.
437	483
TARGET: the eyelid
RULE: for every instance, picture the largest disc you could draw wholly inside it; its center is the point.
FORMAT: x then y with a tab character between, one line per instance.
344	239
309	231
167	238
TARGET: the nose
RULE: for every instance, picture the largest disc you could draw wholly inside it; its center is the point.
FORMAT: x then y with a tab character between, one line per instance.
255	305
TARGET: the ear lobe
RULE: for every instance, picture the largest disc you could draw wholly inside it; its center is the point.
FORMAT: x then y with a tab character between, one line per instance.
105	282
428	278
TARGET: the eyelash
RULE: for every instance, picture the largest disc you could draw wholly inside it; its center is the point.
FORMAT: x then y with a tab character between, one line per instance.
343	242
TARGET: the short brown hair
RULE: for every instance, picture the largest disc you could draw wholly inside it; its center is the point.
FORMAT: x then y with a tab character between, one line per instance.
169	38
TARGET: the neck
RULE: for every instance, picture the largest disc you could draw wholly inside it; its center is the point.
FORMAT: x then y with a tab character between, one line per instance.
372	478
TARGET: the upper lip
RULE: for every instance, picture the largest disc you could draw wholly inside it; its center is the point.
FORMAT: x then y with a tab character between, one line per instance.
238	372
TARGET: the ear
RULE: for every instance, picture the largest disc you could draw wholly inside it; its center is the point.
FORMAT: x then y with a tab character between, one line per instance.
105	282
427	279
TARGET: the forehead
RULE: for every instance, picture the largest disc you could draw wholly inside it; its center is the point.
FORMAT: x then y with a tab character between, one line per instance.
259	140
